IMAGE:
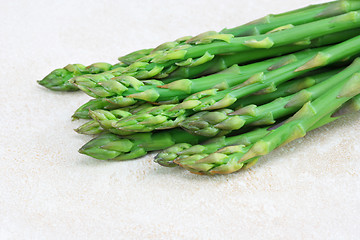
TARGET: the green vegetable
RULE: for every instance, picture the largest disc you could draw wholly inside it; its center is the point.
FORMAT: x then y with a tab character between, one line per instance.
313	114
169	116
109	146
202	49
209	124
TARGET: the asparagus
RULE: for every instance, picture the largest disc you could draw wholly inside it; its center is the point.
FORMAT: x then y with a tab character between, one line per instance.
107	104
109	146
134	56
112	83
287	88
91	127
185	150
120	101
105	118
296	17
98	85
172	114
210	123
180	151
220	62
58	80
233	158
107	85
191	152
227	43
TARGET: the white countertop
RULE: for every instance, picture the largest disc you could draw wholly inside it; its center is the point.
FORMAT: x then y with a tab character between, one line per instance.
309	189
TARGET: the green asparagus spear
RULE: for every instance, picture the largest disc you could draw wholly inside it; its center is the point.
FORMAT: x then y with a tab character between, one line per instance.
109	146
180	151
221	99
210	123
134	56
201	50
91	127
167	116
185	150
58	80
102	119
233	158
221	62
296	17
112	83
106	85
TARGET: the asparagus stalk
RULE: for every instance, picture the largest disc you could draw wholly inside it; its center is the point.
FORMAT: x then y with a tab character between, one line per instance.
91	127
97	85
233	158
107	85
186	150
296	17
221	99
190	153
211	123
168	116
58	80
227	43
106	118
221	62
109	146
120	101
107	104
134	56
180	151
94	127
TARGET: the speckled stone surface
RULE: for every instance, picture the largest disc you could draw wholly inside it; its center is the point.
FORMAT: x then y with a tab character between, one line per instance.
309	189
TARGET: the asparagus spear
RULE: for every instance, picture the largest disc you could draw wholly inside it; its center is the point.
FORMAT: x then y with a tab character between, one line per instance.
107	85
180	151
221	62
91	127
58	80
107	104
233	158
96	86
120	101
210	123
134	56
296	17
112	83
94	127
186	150
222	44
191	152
287	88
167	116
109	146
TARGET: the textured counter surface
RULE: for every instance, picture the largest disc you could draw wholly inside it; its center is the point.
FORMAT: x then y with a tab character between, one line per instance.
309	189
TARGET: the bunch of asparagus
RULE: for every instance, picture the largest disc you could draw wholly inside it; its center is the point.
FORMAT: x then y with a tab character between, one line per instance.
214	103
